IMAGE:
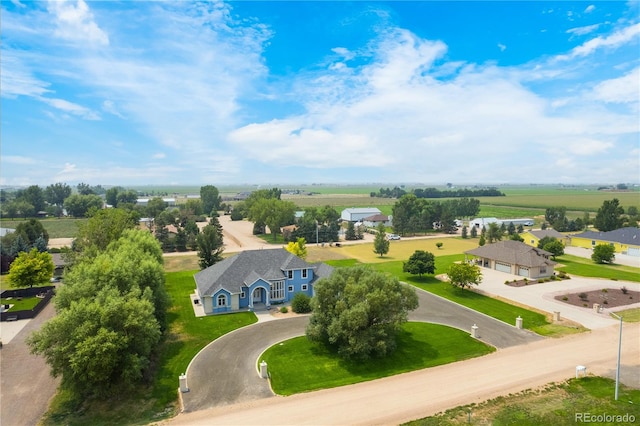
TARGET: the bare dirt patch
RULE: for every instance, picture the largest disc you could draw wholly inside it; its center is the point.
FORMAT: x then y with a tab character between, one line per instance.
606	297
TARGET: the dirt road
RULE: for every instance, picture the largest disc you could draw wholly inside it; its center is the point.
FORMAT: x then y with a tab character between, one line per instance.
421	393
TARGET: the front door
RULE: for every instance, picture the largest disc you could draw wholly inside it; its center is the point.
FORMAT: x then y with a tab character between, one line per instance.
257	295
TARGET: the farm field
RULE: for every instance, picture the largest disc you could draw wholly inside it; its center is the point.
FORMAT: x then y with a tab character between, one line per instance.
57	228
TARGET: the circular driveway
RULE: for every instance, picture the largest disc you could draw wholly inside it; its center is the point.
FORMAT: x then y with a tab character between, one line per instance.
225	372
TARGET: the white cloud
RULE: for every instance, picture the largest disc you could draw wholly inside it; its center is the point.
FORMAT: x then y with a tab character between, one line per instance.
502	47
71	108
579	31
590	9
16	79
111	108
625	89
18	159
75	22
159	156
613	41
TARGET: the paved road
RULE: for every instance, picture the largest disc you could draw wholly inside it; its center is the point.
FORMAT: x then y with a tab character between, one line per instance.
225	372
25	383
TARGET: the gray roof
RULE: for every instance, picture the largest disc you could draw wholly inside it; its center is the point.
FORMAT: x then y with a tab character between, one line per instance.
513	253
547	233
246	267
628	235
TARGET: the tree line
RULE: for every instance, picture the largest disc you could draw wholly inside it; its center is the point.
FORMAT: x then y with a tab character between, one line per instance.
413	215
398	192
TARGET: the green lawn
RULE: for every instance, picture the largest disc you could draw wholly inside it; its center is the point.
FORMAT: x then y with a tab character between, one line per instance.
22	304
555	404
629	315
493	307
587	268
188	334
298	365
56	228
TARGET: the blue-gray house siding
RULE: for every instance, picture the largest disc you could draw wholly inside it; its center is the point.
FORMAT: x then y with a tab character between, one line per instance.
255	279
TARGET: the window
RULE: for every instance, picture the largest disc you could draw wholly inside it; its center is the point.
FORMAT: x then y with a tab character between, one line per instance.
242	295
304	273
290	289
290	274
593	243
533	241
543	270
277	290
222	300
304	287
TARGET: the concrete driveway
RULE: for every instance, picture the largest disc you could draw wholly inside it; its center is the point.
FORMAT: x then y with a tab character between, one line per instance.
225	372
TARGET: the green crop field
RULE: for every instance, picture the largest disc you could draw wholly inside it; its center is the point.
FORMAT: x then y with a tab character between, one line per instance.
57	228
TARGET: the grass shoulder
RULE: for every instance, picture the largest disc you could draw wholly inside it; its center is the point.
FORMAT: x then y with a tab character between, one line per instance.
298	365
587	268
554	404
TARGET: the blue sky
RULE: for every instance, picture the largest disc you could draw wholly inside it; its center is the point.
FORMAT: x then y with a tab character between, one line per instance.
275	92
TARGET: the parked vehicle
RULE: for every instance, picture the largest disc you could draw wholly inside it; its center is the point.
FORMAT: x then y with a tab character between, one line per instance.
394	237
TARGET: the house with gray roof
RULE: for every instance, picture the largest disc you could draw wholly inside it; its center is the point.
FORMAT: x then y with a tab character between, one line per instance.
256	279
514	257
624	240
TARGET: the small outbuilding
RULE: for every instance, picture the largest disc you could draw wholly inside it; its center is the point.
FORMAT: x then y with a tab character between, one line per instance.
357	214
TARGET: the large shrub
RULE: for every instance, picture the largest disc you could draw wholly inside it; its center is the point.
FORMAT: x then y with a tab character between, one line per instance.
301	303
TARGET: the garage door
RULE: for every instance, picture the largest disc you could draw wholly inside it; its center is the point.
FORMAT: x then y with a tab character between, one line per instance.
633	251
523	272
503	267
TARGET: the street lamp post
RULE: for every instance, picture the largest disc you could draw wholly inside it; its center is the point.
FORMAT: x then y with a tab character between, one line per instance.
619	350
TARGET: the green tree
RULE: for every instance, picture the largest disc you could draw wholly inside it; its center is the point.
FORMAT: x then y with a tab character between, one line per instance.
104	227
102	344
464	233
129	197
273	213
210	246
494	233
30	268
516	237
556	248
57	193
155	206
381	243
85	189
603	253
420	262
210	197
78	205
464	275
33	195
609	216
474	232
511	229
482	240
298	248
31	230
359	311
301	303
24	208
350	233
439	244
111	196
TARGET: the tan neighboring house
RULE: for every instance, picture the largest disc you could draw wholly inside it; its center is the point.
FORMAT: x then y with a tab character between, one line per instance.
532	238
376	219
514	257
